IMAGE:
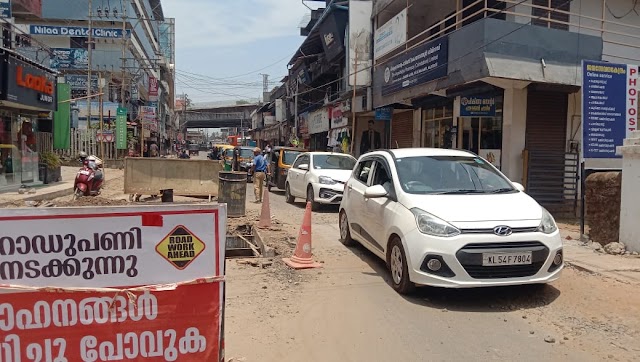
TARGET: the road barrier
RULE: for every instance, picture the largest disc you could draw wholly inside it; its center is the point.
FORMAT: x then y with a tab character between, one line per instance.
110	284
148	176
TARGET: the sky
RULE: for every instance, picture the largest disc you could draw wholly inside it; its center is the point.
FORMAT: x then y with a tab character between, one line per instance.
223	46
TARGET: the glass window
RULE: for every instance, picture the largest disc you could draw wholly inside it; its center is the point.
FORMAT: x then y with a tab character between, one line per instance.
300	160
381	176
333	162
246	152
289	157
450	175
363	170
491	135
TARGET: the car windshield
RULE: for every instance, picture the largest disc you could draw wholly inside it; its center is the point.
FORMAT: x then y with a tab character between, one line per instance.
289	157
333	162
246	152
450	175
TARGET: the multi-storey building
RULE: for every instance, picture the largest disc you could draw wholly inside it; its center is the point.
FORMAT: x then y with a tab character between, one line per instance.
128	43
499	78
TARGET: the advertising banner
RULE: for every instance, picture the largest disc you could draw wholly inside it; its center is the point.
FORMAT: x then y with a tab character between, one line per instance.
67	58
149	118
477	106
77	81
121	128
62	119
390	35
5	9
610	107
153	88
423	64
360	42
337	117
124	283
76	31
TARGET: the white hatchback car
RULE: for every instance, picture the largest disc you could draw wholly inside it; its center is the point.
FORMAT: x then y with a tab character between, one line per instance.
319	177
448	218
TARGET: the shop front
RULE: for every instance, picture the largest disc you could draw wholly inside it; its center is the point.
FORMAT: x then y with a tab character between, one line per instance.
318	126
28	91
340	133
480	126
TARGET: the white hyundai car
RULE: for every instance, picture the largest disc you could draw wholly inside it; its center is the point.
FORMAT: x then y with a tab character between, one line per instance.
448	218
319	177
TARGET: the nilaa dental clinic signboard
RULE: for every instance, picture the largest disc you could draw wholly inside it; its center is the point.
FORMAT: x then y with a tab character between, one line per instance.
609	107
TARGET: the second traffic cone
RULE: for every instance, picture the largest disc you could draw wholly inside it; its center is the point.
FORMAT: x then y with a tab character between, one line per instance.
265	213
301	258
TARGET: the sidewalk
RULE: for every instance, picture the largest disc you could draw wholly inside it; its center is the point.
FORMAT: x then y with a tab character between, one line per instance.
625	268
55	190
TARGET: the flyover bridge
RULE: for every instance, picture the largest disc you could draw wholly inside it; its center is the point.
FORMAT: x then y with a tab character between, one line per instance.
219	117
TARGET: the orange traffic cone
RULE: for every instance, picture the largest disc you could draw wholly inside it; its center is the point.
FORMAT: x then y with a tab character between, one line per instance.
301	258
265	213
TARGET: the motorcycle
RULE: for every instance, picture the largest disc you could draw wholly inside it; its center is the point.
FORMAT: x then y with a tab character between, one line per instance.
85	183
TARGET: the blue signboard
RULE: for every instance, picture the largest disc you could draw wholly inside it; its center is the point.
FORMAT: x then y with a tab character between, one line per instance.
66	58
384	114
423	64
605	107
5	9
477	106
76	31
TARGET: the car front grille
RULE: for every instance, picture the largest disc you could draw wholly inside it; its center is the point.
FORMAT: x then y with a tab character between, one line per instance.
470	257
490	231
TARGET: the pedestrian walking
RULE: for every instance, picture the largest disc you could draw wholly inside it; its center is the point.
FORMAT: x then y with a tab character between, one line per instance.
260	172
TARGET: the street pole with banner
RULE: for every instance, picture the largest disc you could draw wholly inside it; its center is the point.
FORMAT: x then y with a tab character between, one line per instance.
107	297
101	105
89	54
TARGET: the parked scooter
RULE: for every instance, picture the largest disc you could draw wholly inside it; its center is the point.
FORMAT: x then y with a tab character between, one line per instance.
89	178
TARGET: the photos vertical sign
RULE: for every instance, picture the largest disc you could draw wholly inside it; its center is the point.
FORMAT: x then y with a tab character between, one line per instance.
121	129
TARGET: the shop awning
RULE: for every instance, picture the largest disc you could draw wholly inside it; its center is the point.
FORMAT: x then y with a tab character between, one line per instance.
501	67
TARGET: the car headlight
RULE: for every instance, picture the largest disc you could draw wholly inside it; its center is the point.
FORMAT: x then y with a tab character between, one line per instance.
431	225
547	224
326	180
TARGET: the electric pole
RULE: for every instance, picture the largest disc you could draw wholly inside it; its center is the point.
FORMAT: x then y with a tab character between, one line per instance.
89	54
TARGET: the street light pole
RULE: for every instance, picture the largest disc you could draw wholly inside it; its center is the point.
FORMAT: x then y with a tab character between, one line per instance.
89	54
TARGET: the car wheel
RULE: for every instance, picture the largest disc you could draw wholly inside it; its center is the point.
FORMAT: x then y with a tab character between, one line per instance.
397	263
345	234
287	195
310	198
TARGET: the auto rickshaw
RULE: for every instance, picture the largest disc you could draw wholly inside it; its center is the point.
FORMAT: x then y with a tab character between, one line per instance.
194	149
281	159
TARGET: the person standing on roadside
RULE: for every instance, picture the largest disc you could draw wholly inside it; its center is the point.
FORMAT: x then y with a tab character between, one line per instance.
260	172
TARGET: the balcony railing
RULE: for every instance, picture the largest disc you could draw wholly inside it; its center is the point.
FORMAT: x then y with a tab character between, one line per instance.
617	35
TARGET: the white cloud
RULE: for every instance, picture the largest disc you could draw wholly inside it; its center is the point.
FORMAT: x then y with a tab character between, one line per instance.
225	23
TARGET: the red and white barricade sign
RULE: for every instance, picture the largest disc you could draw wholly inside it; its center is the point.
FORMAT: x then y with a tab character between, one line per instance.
123	283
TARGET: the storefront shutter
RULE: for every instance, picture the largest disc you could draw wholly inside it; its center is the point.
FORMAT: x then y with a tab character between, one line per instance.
402	130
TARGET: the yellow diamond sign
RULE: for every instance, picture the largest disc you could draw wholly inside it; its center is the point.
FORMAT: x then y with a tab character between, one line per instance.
180	247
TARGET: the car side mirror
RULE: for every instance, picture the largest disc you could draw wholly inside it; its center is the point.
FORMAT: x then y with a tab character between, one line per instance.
518	186
375	191
304	167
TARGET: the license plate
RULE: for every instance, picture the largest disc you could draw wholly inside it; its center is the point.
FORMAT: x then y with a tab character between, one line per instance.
501	259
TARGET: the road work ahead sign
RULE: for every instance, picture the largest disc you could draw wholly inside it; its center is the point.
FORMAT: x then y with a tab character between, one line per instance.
113	284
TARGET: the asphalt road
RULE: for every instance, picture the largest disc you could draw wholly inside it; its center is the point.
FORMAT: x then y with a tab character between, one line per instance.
347	311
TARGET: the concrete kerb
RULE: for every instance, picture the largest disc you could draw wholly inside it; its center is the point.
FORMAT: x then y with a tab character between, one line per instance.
266	251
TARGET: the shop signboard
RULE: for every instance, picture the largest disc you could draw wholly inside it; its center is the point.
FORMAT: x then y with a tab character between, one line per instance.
338	119
390	35
76	31
153	88
5	9
424	63
332	31
384	114
477	106
121	128
29	85
111	284
77	81
318	121
610	107
68	58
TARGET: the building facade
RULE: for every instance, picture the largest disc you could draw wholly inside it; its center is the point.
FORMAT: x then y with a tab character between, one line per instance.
128	44
500	78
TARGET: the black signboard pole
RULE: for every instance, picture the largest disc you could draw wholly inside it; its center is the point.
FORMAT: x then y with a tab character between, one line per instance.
583	185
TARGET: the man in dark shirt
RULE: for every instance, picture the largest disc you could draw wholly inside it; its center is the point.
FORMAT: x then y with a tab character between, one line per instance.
370	140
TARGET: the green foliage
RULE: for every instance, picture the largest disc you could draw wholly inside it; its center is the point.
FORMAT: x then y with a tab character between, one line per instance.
50	159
